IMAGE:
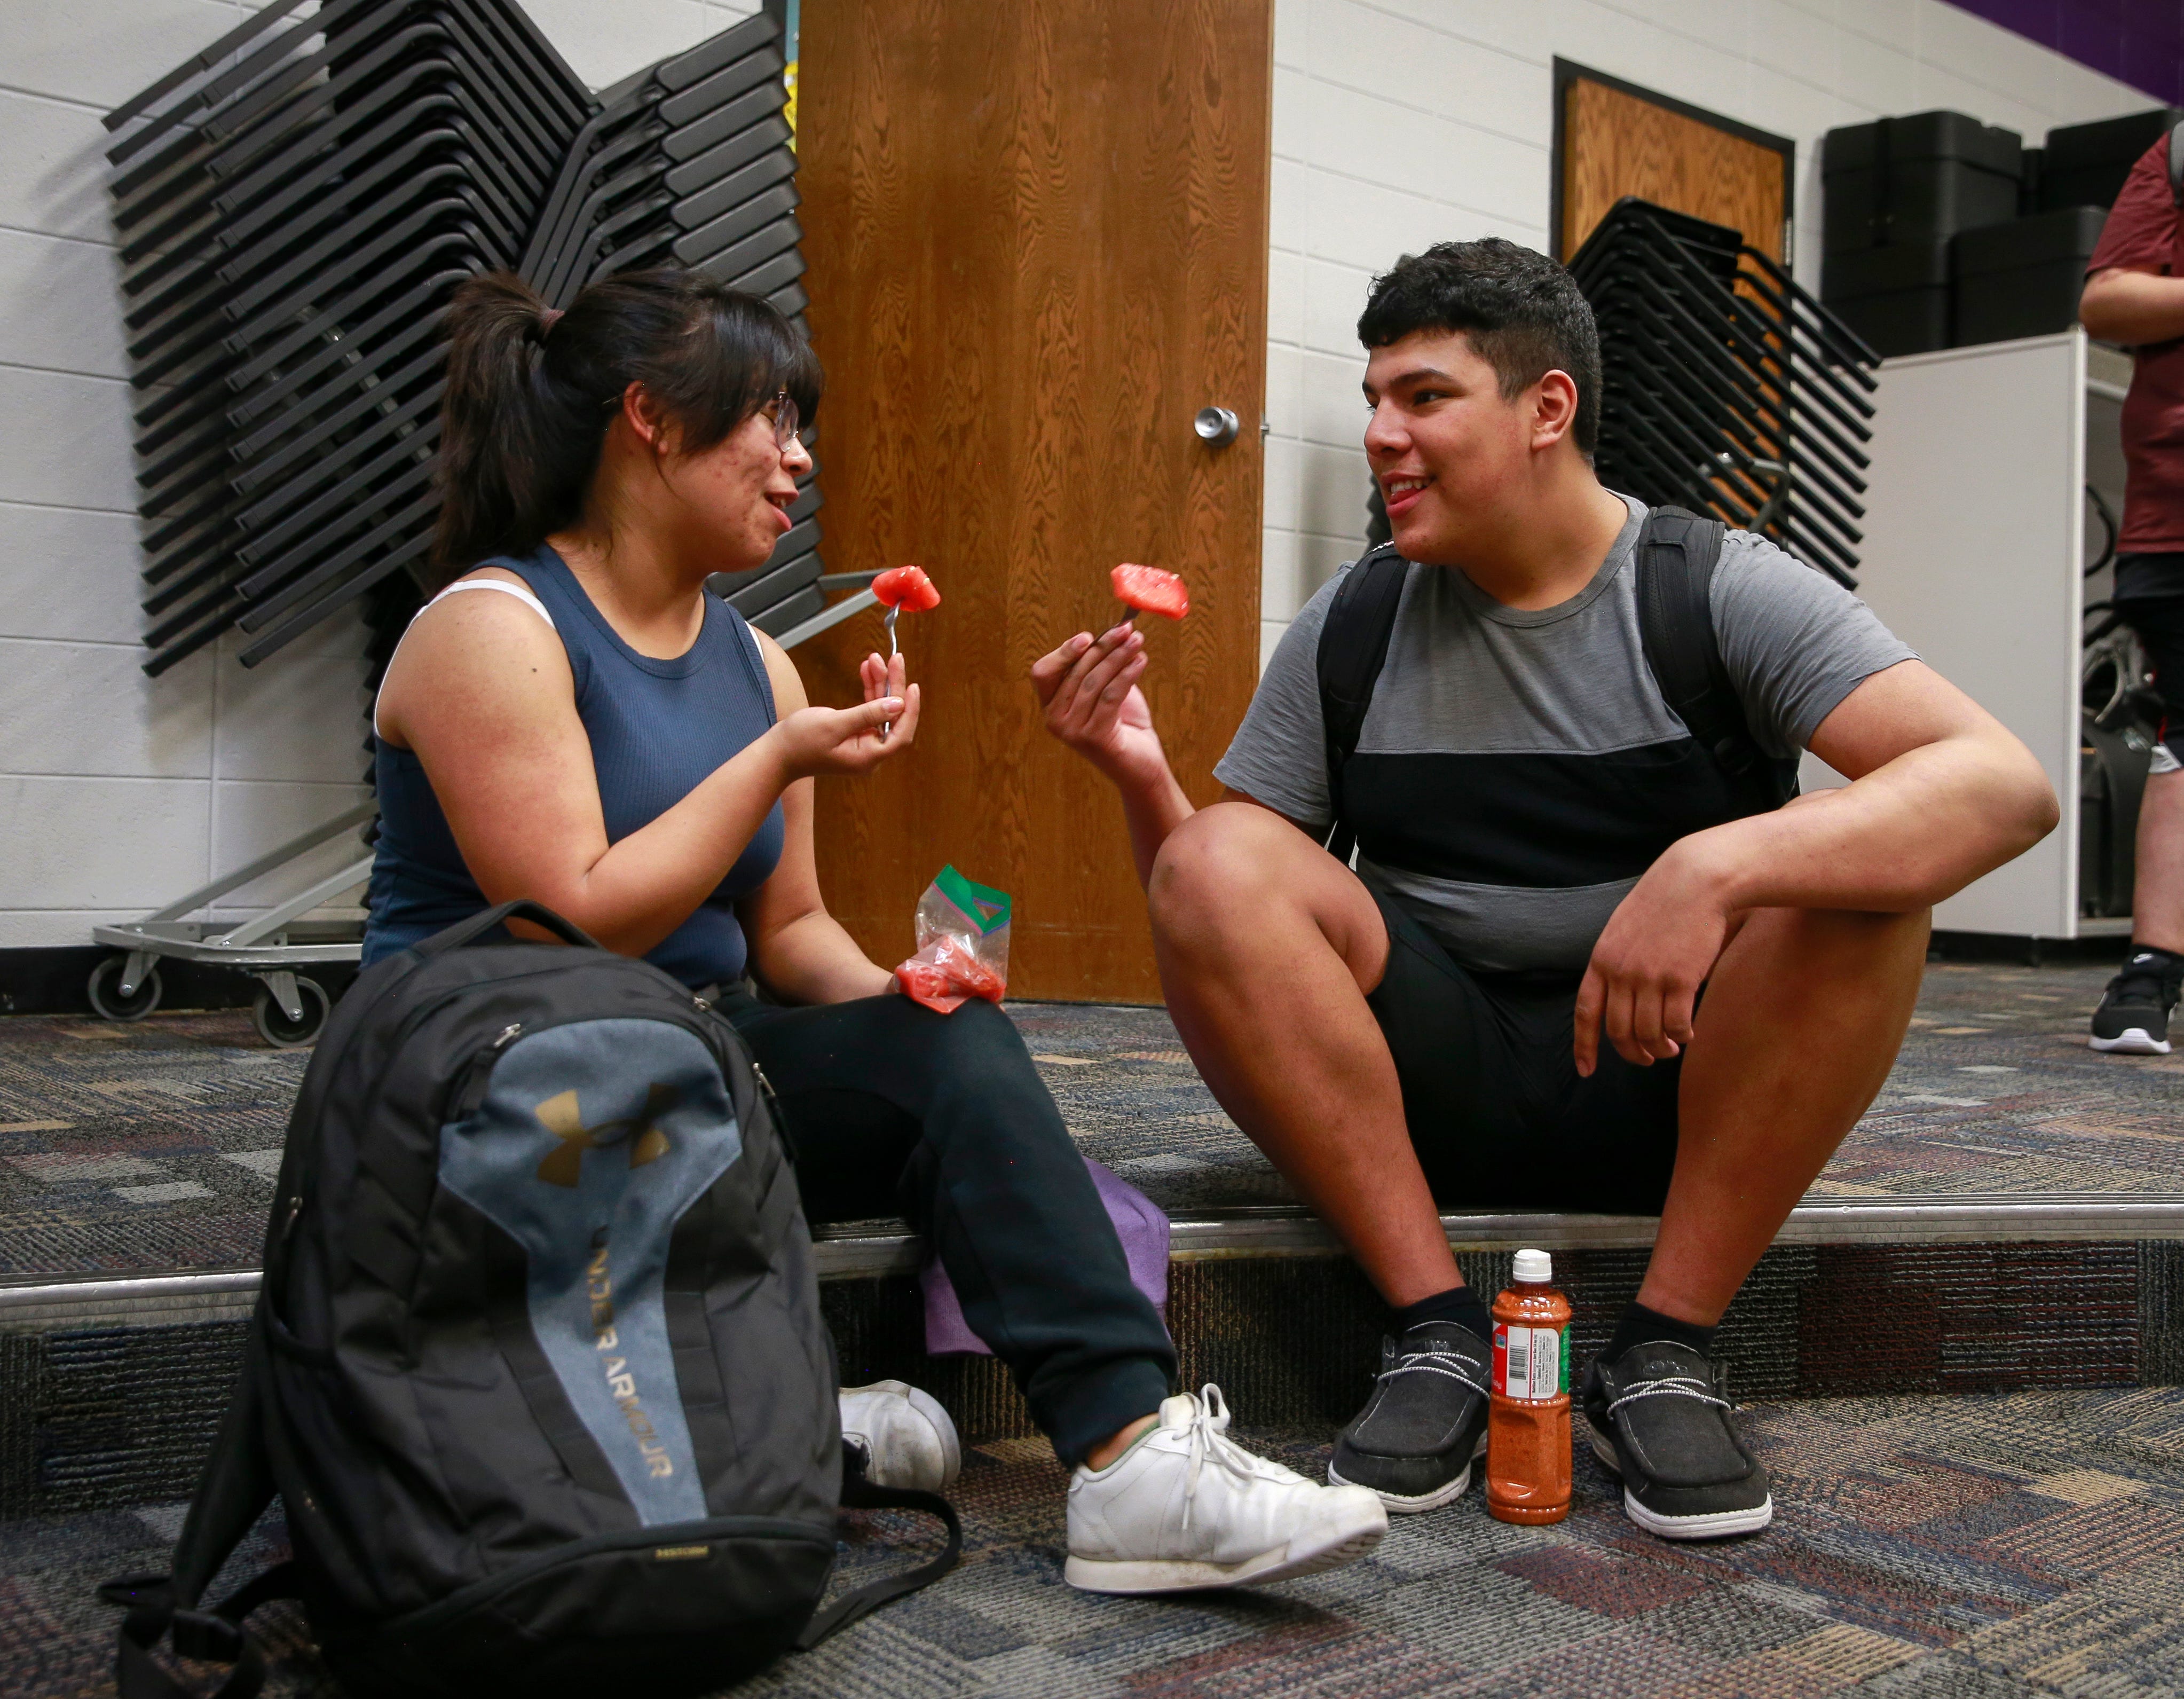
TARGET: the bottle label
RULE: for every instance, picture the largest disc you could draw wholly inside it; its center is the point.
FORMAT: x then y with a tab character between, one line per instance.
1529	1363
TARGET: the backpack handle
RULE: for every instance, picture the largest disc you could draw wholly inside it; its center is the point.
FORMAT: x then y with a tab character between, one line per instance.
522	908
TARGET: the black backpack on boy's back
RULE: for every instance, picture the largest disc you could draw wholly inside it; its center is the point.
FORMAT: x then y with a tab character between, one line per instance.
537	1367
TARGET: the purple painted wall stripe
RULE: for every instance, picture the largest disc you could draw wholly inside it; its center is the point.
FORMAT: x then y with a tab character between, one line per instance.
2137	42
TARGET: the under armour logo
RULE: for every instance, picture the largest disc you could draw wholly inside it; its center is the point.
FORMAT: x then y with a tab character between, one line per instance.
563	1164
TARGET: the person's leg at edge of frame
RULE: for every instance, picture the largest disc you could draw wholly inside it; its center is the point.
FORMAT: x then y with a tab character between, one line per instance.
1164	1500
1802	1020
2139	1002
2157	879
1268	948
2157	888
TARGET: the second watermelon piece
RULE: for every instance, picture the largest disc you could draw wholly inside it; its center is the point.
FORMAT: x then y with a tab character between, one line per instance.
1151	591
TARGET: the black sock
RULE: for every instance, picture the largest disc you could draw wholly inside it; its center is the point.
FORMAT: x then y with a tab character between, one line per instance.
1640	1324
1459	1304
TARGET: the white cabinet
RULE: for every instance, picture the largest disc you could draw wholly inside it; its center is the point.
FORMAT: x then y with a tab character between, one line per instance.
1976	536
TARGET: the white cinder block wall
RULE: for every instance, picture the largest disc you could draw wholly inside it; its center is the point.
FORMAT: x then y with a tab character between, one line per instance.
1398	123
120	793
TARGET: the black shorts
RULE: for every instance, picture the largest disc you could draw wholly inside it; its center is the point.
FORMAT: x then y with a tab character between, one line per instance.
2158	621
1497	1113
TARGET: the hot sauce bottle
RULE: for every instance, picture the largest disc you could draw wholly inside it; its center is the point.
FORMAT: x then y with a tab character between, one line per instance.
1528	1413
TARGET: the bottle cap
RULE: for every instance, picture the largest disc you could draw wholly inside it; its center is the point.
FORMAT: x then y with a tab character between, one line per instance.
1535	1267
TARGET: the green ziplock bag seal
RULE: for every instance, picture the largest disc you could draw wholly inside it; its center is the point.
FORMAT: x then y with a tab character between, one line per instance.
983	906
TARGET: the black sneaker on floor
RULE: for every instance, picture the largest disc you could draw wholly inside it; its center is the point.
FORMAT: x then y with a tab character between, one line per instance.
1660	1418
1414	1441
2133	1018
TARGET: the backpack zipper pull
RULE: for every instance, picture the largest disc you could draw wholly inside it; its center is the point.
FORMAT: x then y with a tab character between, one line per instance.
470	1092
770	1101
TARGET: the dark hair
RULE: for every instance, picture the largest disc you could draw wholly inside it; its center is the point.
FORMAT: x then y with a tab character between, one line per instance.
1521	312
531	393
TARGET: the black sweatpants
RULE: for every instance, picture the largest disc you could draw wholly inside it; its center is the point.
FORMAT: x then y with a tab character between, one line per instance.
943	1118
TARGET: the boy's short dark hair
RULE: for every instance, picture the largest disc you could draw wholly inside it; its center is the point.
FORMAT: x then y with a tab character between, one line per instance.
1521	312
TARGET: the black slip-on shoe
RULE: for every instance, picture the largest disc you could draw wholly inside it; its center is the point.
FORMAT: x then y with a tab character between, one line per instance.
2133	1018
1660	1418
1414	1441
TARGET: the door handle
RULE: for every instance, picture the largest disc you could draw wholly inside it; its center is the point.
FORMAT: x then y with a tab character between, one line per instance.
1216	427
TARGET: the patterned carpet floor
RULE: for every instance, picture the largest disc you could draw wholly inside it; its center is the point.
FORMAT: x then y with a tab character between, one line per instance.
1925	1548
154	1146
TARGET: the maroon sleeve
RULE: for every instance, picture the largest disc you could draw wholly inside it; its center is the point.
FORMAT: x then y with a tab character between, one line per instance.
2141	233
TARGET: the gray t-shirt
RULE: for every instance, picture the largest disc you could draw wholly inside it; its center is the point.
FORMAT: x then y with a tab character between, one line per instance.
1518	770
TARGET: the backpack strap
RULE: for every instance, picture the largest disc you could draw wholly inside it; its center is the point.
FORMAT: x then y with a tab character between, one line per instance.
860	1494
2176	162
1677	553
232	1494
470	931
1353	648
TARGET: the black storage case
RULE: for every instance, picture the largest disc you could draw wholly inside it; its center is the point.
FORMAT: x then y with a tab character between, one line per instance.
1898	299
1916	179
2022	279
2085	163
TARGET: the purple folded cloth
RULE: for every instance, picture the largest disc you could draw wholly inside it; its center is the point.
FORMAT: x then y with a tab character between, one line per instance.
1138	1224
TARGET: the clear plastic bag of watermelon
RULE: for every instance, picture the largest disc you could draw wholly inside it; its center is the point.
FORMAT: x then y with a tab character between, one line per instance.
962	944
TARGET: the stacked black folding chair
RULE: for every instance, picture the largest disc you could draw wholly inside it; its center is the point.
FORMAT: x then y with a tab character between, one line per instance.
295	207
1727	388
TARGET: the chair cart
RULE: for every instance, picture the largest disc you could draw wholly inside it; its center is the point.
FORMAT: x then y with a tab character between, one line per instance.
291	1008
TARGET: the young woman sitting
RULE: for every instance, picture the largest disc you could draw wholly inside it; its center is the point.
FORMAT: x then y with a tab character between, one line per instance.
599	733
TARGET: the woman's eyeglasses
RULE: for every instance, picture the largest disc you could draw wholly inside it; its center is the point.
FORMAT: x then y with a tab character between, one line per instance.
781	411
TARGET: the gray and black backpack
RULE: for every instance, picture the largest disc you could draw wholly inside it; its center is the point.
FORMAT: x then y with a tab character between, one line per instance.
536	1368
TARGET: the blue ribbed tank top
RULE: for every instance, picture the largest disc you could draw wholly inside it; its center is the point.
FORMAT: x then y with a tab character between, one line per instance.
658	729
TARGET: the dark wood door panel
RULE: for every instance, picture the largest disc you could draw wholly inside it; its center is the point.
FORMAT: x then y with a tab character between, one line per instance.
1037	235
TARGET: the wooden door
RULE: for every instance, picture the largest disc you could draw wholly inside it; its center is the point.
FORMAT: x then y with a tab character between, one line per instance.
1613	139
1037	237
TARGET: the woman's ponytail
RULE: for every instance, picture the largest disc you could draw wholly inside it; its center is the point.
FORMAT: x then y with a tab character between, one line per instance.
500	427
530	393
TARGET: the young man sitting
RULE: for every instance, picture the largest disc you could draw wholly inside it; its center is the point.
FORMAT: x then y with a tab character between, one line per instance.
1545	855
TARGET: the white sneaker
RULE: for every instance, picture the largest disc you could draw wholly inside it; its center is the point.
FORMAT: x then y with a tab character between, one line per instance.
1187	1506
906	1437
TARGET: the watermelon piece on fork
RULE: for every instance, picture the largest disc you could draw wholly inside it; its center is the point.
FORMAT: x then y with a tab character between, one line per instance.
1149	590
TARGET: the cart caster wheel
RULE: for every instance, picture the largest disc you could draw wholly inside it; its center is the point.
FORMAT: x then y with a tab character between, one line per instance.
104	990
273	1023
